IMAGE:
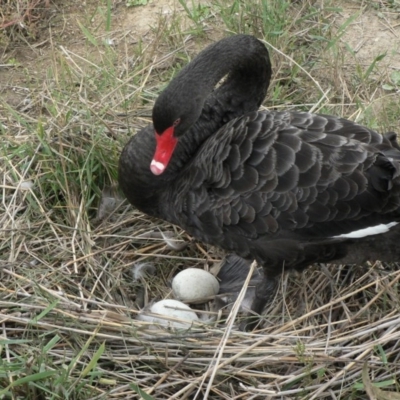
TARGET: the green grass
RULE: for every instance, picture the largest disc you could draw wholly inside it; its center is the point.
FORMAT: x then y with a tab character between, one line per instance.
67	297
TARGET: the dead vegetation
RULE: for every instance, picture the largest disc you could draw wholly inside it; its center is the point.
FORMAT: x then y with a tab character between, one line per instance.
21	18
68	298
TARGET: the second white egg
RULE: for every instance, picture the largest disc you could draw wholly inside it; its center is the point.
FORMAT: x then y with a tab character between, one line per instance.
193	284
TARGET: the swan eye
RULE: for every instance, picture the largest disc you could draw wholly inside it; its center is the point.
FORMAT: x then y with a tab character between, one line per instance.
176	122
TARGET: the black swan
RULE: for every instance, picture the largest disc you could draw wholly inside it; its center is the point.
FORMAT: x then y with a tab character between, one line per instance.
286	188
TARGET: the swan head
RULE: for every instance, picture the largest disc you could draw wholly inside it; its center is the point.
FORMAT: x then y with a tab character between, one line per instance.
171	120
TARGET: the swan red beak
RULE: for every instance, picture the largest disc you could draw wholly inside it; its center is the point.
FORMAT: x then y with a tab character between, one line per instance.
165	146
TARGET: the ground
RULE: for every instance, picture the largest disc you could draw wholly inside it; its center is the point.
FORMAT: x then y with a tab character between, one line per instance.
77	79
369	32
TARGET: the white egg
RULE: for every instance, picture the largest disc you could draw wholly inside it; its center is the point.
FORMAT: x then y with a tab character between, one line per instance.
165	312
194	284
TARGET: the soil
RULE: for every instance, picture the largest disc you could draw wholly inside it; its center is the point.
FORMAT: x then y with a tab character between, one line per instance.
27	47
27	44
139	20
373	33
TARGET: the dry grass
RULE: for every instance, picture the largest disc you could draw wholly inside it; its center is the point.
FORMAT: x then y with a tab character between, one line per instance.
68	300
